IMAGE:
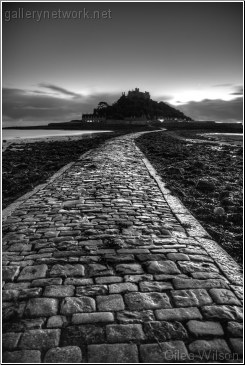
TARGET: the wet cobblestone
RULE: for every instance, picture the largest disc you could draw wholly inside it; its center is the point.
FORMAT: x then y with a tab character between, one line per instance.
99	267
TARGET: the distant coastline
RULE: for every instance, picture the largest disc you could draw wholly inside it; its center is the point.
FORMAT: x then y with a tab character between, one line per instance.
170	125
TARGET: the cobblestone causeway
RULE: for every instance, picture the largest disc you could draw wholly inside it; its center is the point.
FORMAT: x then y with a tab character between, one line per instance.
101	265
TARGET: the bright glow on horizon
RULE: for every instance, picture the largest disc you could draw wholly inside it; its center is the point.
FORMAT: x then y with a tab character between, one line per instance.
198	95
174	98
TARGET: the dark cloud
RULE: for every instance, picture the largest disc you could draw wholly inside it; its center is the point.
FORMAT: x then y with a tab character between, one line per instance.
24	105
59	89
238	91
218	110
43	92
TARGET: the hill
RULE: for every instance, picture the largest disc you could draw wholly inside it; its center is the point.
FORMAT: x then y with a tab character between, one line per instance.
137	105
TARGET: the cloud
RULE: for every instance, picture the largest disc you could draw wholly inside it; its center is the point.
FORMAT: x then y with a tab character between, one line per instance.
223	85
61	90
164	98
238	90
20	106
218	110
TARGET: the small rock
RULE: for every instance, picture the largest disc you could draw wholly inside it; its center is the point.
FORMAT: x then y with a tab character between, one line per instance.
205	185
219	211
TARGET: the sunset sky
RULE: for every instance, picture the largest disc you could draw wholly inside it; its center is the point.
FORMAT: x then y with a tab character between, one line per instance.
187	54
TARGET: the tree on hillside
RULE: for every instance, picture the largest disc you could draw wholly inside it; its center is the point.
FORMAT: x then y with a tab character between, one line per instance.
102	109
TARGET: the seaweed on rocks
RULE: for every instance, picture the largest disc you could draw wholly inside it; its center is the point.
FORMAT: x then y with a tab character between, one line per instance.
25	166
208	178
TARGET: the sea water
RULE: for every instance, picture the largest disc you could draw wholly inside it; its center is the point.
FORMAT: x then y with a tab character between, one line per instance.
43	133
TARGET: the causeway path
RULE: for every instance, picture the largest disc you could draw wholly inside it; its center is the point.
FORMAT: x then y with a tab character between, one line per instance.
104	265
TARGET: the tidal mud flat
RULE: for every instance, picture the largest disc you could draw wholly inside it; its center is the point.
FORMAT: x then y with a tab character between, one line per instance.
208	178
28	163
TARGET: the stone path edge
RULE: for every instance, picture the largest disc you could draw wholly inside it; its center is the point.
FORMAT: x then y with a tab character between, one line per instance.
231	269
10	208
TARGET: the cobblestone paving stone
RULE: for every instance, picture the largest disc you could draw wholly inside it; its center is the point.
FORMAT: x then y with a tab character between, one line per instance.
98	267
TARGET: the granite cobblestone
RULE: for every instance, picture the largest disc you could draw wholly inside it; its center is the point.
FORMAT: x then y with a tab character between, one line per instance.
99	267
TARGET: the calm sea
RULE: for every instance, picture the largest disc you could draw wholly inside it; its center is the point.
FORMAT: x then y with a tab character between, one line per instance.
232	138
42	133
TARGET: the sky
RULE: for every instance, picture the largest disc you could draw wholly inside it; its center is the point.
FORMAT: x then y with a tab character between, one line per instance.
60	59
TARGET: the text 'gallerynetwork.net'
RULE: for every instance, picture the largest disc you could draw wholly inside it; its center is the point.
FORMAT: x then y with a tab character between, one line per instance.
38	15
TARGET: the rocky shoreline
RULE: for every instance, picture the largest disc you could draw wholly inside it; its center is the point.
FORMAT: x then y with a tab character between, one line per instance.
27	163
207	177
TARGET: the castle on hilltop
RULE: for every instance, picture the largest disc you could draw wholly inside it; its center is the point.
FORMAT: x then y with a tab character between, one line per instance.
136	93
134	108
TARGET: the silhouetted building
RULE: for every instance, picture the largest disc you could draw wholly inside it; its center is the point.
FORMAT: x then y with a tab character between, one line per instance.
92	118
136	93
127	121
